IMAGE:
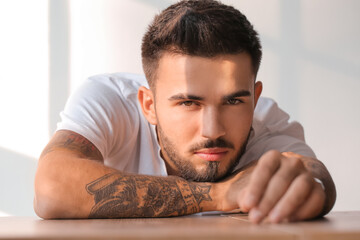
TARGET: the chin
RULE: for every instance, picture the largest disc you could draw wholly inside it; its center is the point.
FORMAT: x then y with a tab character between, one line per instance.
208	173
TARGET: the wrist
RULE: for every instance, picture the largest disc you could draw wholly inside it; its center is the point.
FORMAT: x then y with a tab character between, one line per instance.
218	194
208	202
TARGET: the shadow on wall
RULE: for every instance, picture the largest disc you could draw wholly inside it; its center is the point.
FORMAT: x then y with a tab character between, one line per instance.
17	183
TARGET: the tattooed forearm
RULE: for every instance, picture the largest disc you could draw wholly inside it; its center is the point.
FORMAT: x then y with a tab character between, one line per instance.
69	140
117	195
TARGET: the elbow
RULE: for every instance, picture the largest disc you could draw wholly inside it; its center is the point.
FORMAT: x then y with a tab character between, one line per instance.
56	198
45	197
43	210
50	197
45	201
58	193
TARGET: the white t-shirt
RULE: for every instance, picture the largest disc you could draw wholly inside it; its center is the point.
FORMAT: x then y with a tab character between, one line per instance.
105	110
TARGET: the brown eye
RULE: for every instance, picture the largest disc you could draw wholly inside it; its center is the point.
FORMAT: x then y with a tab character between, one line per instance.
187	103
234	101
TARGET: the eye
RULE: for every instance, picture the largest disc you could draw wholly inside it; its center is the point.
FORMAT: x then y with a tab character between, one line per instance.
187	103
234	101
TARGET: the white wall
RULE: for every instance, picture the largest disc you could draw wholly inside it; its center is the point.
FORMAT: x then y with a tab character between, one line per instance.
311	66
23	100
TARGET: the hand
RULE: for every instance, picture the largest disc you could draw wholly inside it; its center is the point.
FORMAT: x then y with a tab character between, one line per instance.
281	188
229	190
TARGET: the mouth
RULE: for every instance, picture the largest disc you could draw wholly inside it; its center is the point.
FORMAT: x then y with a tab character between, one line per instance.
211	154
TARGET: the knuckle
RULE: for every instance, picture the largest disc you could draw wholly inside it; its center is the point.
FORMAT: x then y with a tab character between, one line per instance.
263	161
274	152
306	179
269	159
295	163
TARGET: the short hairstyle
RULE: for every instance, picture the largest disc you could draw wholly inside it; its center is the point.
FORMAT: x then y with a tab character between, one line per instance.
204	28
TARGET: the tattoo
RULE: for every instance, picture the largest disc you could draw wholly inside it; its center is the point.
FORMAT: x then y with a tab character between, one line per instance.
118	195
75	142
201	192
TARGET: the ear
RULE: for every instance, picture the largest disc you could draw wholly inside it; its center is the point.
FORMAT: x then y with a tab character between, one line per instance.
147	103
257	92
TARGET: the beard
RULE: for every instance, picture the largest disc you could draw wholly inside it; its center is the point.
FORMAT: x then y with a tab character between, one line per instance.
211	173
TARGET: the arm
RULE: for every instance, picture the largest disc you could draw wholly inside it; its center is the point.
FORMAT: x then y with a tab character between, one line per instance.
72	182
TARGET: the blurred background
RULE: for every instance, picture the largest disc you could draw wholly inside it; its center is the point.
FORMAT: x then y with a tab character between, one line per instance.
311	67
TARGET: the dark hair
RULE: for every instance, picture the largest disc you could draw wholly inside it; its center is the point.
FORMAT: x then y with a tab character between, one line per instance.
205	28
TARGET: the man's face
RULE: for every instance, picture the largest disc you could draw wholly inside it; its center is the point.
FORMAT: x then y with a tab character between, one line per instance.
204	110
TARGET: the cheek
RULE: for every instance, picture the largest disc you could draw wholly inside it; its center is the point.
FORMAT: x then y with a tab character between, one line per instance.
238	124
180	127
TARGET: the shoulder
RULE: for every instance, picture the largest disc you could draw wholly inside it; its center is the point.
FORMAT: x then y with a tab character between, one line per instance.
269	118
107	92
268	110
109	98
124	83
104	109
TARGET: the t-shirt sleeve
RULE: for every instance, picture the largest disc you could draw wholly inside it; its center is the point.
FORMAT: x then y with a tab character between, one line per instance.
97	112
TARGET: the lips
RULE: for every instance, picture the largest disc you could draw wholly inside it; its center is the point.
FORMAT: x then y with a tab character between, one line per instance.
211	154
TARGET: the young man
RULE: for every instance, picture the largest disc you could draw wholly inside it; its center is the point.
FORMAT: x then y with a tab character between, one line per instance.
187	140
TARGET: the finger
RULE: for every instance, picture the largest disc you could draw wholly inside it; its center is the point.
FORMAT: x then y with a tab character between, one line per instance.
267	165
277	187
294	197
312	207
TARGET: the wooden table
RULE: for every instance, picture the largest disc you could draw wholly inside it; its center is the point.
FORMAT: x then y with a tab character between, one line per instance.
336	225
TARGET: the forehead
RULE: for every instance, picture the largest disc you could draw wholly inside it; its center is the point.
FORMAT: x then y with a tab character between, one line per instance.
222	74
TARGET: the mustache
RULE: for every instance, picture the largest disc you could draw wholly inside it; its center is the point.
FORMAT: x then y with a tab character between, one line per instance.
219	142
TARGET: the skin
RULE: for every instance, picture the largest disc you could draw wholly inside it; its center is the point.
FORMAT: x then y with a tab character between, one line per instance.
72	181
208	99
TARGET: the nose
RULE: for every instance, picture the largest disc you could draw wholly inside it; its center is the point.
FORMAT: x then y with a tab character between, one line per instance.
212	126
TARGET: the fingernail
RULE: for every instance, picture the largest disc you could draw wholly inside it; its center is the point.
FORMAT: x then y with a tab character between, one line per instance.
255	215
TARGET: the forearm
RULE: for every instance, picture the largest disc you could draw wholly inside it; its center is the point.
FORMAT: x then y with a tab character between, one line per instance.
119	195
70	187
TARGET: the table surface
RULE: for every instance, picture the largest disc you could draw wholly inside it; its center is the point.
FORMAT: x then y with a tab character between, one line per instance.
336	225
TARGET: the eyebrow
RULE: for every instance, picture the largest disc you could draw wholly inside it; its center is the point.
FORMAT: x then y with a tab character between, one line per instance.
241	93
181	96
